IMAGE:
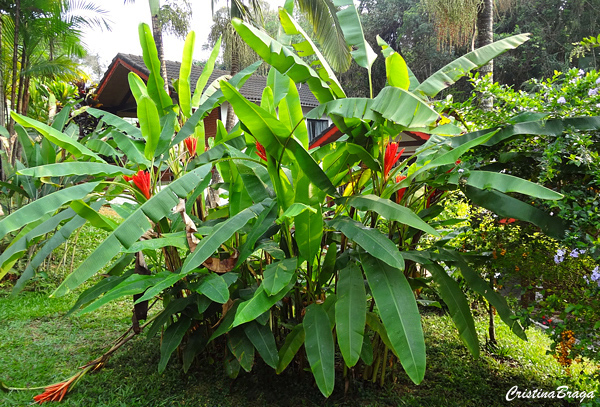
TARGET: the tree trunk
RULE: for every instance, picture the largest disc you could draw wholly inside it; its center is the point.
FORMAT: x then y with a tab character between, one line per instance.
15	60
485	36
2	98
157	34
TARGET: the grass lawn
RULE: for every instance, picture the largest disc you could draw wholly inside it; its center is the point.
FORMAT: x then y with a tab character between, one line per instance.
40	346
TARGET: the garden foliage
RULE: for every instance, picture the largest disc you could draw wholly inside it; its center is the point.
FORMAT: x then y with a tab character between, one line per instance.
314	251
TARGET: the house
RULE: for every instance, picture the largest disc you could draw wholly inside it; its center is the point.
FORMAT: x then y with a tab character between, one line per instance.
116	97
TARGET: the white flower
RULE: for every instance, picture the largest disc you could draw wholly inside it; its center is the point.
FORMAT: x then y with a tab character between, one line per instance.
561	100
593	92
581	72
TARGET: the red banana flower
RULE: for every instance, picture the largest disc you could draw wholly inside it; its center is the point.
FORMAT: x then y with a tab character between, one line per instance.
190	145
401	191
260	151
142	181
390	158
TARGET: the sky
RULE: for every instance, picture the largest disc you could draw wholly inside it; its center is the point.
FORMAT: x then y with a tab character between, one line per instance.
125	19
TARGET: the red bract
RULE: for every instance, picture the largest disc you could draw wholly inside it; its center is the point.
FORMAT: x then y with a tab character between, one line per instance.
260	151
190	145
54	392
401	191
509	220
142	181
390	157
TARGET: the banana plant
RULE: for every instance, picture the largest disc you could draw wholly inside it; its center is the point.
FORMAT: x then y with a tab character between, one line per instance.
315	250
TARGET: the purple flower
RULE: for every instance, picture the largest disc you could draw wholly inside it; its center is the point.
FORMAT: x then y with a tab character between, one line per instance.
593	92
558	259
581	72
574	253
560	252
596	275
561	100
598	81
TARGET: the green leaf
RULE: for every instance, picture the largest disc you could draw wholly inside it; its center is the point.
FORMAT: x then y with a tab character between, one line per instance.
171	340
58	138
103	286
403	108
131	148
95	218
396	70
157	288
117	122
319	347
43	206
399	312
308	48
351	27
67	169
477	284
294	209
173	307
282	59
293	342
260	303
134	284
209	67
184	92
242	348
508	207
371	240
388	210
177	239
278	275
458	68
351	313
220	234
156	84
263	340
509	183
215	288
458	307
136	224
265	220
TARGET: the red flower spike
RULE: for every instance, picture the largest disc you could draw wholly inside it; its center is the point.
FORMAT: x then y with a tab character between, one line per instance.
390	158
401	191
190	145
509	220
142	181
54	392
260	151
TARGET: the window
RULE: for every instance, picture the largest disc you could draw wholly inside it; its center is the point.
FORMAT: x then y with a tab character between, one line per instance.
316	127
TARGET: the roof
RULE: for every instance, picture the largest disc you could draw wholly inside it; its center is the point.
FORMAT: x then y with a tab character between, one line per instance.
115	96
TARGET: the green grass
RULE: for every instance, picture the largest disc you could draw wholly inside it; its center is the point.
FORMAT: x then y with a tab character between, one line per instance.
40	346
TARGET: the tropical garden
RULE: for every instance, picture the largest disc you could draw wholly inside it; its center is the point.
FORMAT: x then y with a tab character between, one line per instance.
348	274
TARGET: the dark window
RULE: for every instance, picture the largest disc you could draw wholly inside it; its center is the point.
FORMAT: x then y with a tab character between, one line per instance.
315	127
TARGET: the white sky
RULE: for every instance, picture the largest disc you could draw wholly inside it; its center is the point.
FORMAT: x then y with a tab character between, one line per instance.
124	35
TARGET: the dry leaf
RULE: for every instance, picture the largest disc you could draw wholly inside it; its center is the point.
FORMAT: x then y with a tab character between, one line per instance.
221	266
190	226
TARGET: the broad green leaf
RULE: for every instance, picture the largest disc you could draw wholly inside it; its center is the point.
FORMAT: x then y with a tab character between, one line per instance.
458	68
117	122
133	149
148	116
195	344
92	293
171	339
350	108
399	312
309	223
136	224
351	313
58	138
294	209
290	112
242	348
157	288
173	307
215	288
184	91
477	284
509	207
285	61
308	48
47	204
458	307
206	72
388	210
351	27
319	347
265	220
278	275
372	241
66	169
95	218
156	84
103	148
220	234
396	70
403	108
263	340
134	284
275	137
509	183
293	342
258	304
177	239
